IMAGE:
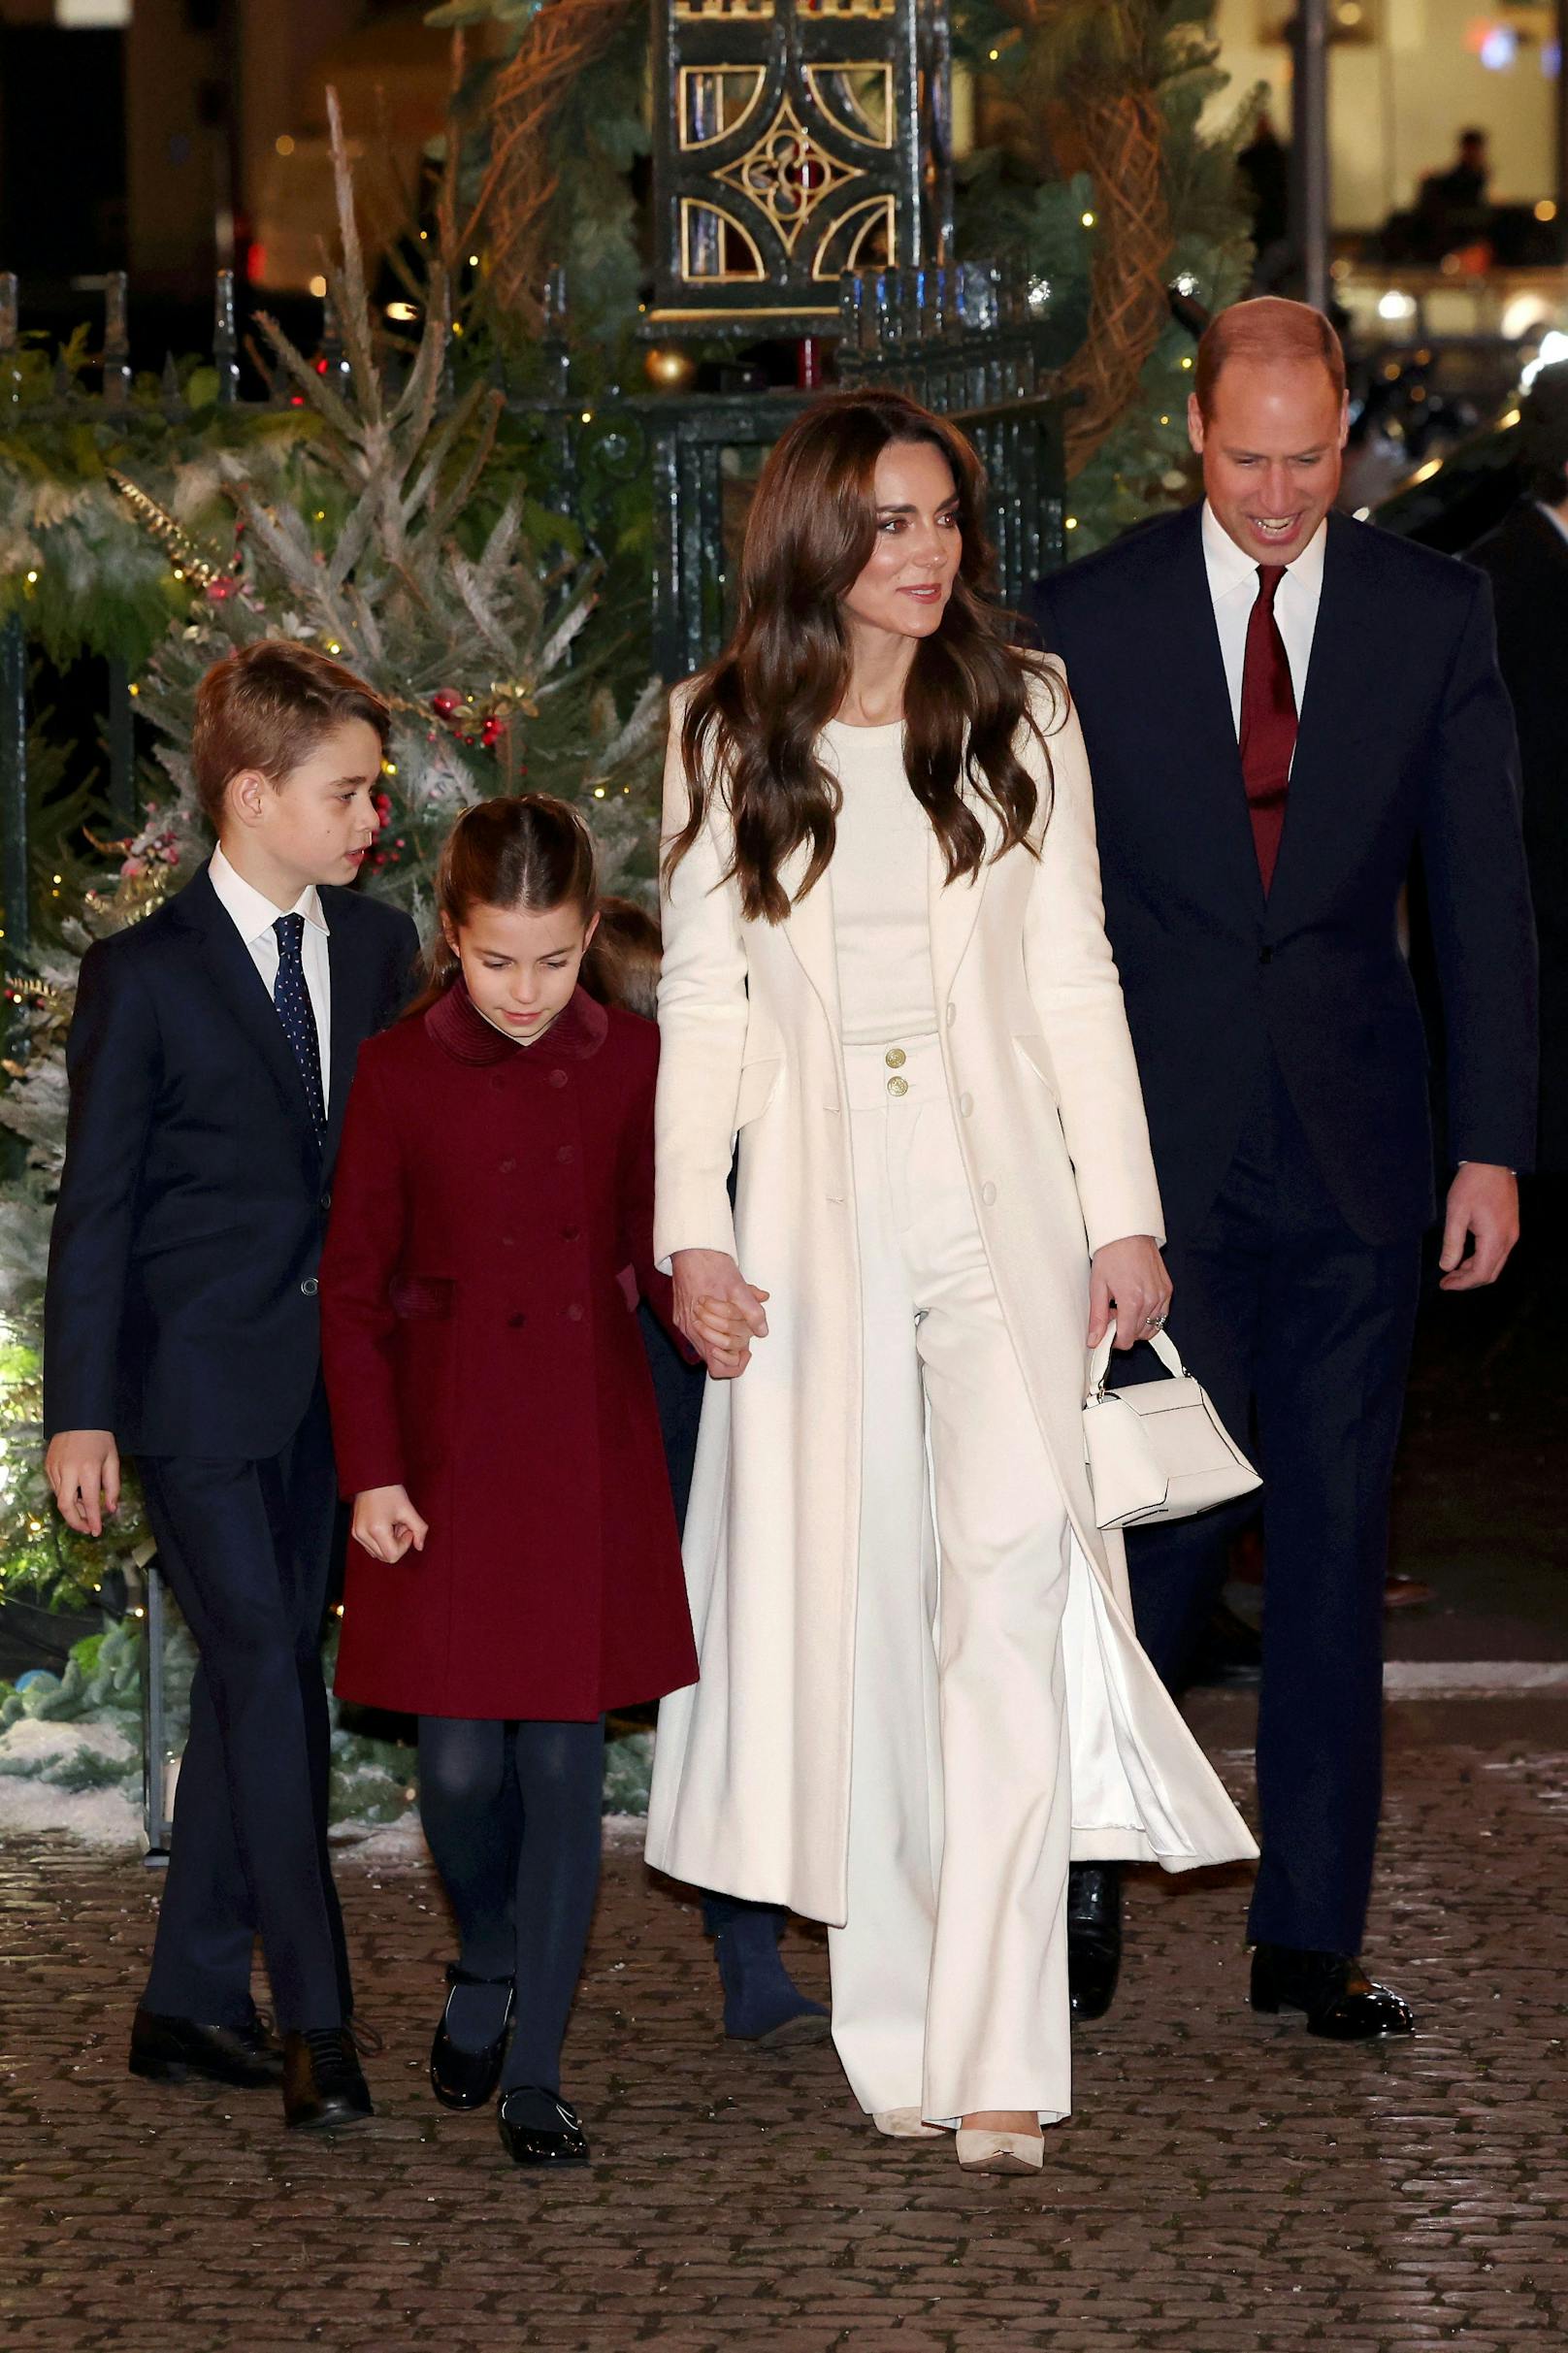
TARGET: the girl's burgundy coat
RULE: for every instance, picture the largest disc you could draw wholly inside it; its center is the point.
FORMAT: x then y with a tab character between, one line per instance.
491	1225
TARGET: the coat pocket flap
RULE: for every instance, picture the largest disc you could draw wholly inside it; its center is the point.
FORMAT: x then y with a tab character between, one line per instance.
757	1081
427	1296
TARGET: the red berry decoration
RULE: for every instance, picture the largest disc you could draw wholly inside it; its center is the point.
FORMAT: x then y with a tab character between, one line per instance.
489	733
446	702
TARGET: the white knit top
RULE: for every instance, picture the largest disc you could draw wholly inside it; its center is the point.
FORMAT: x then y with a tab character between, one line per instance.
879	879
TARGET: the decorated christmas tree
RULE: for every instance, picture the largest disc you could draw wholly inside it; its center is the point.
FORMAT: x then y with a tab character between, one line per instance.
373	525
381	537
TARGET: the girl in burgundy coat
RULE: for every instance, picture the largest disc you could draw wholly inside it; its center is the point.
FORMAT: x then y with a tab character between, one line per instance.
514	1569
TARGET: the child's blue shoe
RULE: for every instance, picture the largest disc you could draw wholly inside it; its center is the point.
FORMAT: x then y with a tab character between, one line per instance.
762	2002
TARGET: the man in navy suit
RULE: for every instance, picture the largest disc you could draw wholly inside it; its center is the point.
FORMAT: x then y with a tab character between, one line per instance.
1284	709
209	1060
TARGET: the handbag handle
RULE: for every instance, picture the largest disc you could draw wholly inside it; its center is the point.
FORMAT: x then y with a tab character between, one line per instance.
1100	1364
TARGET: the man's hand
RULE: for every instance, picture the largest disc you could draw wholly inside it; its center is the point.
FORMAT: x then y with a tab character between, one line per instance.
82	1468
1483	1208
717	1309
386	1524
1128	1278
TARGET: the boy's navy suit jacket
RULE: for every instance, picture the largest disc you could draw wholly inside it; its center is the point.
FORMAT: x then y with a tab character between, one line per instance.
182	1308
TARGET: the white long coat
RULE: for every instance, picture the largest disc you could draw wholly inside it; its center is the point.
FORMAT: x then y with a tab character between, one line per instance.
751	1771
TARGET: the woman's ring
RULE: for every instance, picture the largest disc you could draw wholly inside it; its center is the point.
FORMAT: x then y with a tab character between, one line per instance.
1154	1324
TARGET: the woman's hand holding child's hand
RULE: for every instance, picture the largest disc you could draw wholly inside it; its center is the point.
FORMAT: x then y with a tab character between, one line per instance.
723	1335
386	1524
718	1310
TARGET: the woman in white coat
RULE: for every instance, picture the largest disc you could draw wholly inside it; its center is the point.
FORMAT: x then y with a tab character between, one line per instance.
886	972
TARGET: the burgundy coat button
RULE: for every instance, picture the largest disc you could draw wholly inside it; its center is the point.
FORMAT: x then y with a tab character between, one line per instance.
507	1167
574	1312
558	1078
570	1233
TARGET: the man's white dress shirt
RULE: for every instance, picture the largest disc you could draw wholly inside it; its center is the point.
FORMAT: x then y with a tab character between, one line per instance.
1233	586
254	918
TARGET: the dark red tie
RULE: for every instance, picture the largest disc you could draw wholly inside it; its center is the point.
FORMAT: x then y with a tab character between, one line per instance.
1268	722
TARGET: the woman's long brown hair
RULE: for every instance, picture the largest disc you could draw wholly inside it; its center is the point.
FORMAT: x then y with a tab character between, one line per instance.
754	717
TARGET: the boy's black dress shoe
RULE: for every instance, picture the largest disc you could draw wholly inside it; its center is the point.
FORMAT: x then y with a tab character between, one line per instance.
1093	1936
468	2079
1342	2003
539	2127
323	2083
168	2050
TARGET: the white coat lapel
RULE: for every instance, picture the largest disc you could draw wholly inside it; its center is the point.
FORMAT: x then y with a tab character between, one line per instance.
955	907
809	930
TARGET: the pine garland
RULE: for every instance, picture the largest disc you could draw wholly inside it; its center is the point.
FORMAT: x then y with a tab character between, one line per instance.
1077	67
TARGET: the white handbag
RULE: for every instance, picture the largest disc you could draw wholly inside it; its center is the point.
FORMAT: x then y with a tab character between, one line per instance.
1158	1451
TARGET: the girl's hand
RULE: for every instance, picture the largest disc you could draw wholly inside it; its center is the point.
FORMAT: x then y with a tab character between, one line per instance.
386	1524
1128	1278
717	1309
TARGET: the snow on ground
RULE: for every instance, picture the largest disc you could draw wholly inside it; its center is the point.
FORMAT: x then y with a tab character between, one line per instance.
109	1816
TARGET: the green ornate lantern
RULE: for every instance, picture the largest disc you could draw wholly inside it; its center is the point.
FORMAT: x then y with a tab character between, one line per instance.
801	138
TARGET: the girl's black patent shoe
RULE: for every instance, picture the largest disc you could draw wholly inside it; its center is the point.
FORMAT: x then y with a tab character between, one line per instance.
468	2079
528	2140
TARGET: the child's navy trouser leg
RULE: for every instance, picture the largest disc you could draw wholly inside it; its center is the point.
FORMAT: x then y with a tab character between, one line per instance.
245	1547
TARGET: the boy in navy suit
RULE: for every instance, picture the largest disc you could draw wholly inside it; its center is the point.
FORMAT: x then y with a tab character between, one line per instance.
209	1060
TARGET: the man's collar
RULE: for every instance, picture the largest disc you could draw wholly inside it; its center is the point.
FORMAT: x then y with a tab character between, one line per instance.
1230	566
252	913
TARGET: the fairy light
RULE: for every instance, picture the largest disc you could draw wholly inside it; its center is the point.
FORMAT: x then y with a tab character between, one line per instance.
1088	219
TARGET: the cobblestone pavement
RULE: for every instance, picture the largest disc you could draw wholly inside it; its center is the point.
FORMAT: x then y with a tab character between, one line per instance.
1226	2183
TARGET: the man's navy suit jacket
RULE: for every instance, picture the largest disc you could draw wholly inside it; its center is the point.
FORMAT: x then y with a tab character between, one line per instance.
181	1310
1406	744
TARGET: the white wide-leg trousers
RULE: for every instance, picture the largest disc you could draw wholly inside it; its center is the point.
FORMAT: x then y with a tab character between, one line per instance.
950	1973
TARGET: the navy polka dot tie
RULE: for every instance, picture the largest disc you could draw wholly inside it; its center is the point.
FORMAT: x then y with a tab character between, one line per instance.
297	1014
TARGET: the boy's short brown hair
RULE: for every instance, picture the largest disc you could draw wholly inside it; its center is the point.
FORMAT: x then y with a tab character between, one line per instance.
267	708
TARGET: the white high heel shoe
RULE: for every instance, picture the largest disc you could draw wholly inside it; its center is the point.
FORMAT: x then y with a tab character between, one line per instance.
904	2124
983	2149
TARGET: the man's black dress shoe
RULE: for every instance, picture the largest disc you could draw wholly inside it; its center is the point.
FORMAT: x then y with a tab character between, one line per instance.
1093	1936
539	2127
468	2079
323	2083
1342	2003
168	2050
